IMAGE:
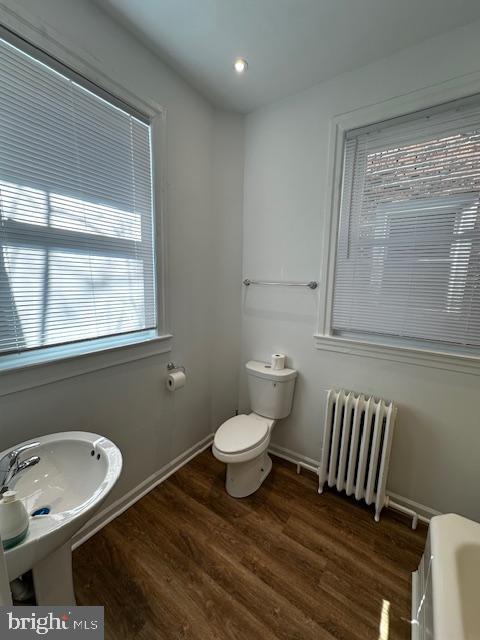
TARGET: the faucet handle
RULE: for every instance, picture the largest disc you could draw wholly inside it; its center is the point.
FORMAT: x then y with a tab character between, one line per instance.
13	455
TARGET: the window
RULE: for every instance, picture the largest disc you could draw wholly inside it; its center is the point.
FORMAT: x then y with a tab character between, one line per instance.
76	209
407	266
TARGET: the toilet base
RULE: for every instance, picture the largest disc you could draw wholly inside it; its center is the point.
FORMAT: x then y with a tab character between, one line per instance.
244	478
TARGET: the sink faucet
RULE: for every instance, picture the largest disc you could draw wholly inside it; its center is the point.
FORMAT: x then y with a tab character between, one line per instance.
10	465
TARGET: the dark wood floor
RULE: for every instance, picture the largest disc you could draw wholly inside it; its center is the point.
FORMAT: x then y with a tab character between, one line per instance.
188	561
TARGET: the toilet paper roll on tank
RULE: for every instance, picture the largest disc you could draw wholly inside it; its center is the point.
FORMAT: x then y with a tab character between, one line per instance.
278	361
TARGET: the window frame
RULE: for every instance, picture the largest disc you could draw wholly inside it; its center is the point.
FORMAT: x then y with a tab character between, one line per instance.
77	358
372	346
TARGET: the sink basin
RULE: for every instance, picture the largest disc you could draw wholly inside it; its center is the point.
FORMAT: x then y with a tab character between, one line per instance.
76	472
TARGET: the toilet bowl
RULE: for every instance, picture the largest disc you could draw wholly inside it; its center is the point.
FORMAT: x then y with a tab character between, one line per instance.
242	442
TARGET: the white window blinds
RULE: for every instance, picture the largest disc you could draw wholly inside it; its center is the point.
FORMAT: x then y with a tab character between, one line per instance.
408	255
76	215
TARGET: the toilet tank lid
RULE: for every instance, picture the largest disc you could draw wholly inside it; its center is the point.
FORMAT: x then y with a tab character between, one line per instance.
264	370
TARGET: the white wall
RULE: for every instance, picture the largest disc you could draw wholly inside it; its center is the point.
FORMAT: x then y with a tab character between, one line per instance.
435	453
228	163
128	403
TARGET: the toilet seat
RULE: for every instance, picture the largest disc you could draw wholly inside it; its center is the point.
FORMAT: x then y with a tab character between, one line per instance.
242	433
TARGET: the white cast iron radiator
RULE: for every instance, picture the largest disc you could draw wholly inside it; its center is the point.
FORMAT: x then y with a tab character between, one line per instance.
356	446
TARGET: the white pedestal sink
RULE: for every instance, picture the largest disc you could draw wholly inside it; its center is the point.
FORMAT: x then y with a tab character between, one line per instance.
76	472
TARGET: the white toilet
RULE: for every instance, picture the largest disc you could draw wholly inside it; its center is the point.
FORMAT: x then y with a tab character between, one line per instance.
242	441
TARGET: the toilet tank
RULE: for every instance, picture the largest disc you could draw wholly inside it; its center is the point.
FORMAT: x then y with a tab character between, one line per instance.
271	390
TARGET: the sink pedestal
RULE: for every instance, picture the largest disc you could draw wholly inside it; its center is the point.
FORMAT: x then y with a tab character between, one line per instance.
52	578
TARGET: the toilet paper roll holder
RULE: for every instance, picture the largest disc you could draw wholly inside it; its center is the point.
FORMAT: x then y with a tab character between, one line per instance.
171	366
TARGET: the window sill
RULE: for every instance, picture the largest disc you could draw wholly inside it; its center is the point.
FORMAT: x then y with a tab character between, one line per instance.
28	370
406	355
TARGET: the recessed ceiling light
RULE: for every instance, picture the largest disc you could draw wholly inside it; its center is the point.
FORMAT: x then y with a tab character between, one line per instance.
240	65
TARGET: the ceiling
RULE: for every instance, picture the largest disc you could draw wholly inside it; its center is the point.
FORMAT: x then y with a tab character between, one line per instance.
290	45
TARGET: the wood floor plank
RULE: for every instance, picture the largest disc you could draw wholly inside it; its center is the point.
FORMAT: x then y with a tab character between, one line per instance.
104	576
189	562
201	600
210	549
276	559
251	527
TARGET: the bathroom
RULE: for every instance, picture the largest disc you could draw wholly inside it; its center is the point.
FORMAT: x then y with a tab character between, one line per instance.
249	108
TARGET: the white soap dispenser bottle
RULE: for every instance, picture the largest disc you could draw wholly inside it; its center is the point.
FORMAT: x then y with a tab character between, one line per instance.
13	520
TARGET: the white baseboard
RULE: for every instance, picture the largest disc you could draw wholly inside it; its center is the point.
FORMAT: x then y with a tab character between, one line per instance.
122	504
424	513
294	457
